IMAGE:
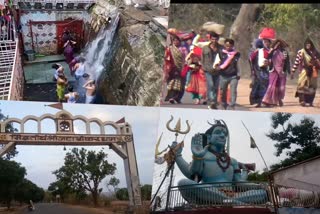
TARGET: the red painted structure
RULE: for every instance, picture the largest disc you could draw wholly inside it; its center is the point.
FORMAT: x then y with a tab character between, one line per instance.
75	27
226	210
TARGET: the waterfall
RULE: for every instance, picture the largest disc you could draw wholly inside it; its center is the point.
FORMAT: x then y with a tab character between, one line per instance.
95	53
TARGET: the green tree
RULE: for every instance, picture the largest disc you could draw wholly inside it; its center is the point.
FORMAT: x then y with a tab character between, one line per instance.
299	141
9	129
113	182
61	188
258	177
26	191
146	192
84	170
293	22
11	174
122	194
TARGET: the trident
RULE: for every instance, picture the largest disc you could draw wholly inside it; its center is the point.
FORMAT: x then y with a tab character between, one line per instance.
177	129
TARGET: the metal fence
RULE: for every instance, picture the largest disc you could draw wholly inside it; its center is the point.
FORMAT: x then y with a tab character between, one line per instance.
292	197
211	195
8	47
15	2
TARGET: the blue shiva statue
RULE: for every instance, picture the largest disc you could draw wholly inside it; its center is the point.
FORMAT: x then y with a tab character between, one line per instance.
212	166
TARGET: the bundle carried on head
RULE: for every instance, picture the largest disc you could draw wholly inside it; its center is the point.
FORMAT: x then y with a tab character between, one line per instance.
213	27
267	33
183	35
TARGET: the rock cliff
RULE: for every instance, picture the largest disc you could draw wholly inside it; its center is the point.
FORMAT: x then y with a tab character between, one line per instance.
133	69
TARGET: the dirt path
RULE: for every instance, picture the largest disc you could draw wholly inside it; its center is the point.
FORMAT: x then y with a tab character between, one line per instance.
290	102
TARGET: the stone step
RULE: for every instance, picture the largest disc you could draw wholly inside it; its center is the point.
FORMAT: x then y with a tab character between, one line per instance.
48	59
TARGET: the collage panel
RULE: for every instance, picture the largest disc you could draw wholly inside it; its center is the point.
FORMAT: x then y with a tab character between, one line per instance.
82	51
232	162
157	68
71	158
252	57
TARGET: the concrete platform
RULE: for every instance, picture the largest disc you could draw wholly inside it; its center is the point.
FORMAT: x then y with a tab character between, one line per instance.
40	71
52	58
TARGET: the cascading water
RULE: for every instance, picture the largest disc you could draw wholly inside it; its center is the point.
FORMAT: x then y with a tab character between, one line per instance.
95	53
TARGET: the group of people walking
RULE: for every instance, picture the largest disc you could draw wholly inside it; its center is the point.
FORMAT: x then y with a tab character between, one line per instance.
77	69
202	68
206	66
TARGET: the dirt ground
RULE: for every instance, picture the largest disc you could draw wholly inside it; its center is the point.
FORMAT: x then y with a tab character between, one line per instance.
115	207
291	103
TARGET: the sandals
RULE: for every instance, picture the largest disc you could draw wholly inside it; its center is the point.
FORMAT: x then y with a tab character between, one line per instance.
280	103
196	101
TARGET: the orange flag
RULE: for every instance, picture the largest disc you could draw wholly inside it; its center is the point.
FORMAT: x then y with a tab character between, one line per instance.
122	120
56	105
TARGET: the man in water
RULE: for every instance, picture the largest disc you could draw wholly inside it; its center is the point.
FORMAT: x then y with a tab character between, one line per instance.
90	91
79	69
58	70
72	96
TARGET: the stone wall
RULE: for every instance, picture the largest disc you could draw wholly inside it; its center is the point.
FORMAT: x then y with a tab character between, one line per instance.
17	84
134	72
44	36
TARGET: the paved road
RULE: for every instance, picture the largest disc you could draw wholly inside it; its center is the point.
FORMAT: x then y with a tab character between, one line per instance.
54	208
290	102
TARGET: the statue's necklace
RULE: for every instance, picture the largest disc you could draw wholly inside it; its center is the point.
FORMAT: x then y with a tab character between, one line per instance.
223	159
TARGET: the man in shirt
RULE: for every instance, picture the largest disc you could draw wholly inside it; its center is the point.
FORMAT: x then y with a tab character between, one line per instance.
209	53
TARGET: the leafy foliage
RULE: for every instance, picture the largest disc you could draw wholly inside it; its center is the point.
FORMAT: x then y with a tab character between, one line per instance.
26	191
9	129
146	192
293	23
122	194
258	177
11	174
113	182
84	170
298	141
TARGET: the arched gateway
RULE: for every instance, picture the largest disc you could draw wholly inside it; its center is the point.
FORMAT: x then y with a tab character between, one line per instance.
121	142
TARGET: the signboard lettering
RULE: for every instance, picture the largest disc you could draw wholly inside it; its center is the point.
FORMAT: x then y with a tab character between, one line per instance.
22	138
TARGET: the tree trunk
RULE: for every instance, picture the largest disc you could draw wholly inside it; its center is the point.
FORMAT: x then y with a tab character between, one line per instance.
242	31
95	198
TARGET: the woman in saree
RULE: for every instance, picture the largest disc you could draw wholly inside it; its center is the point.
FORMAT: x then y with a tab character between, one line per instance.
279	67
308	65
68	48
196	83
259	71
175	56
62	82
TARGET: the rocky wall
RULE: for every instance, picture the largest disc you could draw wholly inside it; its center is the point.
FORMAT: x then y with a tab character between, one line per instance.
133	74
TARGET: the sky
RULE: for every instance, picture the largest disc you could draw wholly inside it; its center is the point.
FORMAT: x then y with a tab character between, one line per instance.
258	123
41	161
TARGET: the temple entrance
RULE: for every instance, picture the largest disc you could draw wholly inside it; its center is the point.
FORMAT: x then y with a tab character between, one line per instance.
121	142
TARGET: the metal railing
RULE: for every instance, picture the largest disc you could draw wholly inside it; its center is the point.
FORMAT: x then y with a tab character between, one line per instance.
8	47
240	194
15	2
292	197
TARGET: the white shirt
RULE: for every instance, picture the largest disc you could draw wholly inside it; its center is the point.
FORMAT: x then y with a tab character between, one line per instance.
80	70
